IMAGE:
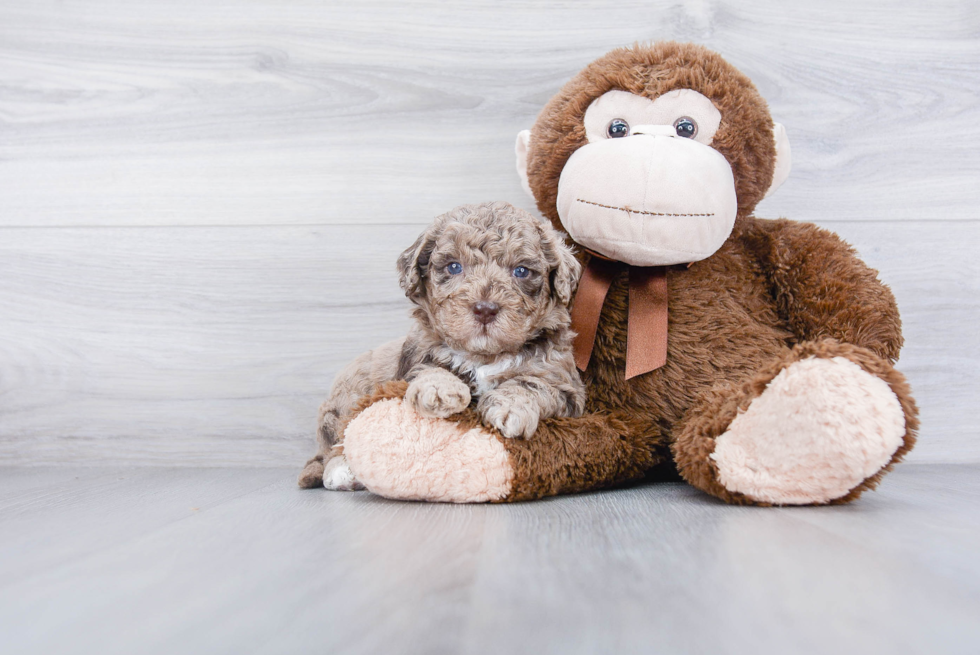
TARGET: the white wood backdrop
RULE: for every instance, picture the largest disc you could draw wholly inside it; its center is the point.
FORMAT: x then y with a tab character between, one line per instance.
201	202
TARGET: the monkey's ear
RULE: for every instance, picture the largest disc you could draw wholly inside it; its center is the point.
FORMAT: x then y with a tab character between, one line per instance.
413	262
565	270
784	158
523	149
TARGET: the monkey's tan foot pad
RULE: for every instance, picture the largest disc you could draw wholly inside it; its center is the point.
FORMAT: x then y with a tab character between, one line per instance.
821	427
396	452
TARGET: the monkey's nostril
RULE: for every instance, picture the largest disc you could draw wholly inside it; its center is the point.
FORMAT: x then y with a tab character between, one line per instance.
486	311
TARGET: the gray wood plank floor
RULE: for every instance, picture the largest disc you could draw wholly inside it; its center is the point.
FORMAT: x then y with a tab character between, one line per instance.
118	560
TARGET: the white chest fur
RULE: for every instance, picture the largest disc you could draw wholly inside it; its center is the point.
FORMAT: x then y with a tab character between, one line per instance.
484	377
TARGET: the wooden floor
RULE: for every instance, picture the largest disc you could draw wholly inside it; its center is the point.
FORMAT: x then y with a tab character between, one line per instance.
241	561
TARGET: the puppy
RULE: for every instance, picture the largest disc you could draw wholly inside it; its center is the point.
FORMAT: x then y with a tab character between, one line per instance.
491	286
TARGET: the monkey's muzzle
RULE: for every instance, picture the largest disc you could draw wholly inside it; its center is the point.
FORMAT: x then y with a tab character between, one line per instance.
649	199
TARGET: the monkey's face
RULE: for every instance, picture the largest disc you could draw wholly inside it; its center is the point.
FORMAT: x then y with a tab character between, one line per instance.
648	189
650	175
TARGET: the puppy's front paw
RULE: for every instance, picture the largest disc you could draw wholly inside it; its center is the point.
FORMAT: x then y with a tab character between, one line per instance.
337	476
438	394
512	412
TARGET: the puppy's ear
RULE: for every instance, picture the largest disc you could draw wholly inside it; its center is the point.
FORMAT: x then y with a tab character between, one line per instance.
565	269
412	264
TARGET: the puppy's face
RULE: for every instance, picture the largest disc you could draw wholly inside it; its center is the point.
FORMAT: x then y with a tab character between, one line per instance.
485	293
489	278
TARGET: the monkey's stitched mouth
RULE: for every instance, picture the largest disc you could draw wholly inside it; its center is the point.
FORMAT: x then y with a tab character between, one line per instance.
635	211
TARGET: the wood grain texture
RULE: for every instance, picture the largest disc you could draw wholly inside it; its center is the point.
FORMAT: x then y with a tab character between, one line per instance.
191	561
185	345
54	516
214	346
204	113
202	202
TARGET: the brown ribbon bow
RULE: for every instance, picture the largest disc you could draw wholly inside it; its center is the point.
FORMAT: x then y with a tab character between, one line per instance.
646	332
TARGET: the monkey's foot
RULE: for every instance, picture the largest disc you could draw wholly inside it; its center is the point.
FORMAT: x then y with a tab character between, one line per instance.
819	430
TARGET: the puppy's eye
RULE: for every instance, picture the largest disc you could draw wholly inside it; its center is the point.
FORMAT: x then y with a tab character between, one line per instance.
454	268
617	128
522	271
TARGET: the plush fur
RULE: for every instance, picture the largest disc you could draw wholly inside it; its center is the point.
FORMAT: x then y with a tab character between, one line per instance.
820	428
716	410
776	294
467	464
651	71
579	454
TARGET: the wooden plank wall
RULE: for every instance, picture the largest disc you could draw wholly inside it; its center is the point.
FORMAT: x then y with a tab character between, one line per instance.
201	202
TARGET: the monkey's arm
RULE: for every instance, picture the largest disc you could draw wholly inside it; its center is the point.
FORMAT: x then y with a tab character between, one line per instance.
398	453
824	290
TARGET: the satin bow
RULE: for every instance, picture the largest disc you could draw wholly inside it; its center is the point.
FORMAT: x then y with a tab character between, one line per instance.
646	332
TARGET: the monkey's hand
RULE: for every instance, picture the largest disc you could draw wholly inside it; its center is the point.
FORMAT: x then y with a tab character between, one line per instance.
513	410
437	393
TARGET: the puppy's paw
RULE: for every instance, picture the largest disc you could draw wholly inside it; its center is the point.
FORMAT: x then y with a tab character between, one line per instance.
513	412
337	476
437	393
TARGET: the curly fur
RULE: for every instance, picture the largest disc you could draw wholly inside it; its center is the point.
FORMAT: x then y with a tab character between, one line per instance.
517	368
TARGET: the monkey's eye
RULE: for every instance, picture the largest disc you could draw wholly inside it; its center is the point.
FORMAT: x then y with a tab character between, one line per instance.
454	268
617	128
686	127
522	271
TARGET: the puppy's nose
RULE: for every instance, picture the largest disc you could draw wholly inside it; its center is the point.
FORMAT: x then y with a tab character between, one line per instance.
486	311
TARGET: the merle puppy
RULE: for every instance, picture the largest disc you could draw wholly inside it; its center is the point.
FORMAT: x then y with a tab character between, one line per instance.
491	285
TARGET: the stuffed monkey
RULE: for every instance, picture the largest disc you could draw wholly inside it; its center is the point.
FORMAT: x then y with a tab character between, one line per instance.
754	356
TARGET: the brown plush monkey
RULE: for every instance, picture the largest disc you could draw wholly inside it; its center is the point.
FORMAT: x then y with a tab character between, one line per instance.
753	355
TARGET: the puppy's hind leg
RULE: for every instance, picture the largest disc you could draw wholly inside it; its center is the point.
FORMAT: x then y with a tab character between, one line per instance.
329	468
312	475
337	476
357	379
327	434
